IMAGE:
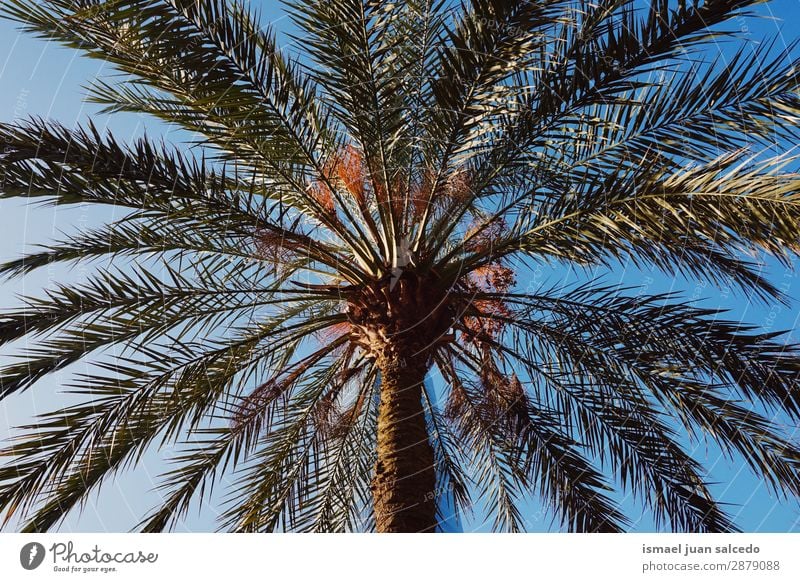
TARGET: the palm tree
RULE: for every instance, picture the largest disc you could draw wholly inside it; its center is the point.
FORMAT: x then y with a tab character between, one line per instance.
357	219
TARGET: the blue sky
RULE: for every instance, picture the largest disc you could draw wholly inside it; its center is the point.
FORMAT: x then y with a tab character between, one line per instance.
39	78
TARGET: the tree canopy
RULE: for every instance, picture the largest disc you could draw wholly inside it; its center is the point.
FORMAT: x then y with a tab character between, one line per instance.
396	180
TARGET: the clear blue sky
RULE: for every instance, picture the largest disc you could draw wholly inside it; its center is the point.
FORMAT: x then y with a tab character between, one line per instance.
39	78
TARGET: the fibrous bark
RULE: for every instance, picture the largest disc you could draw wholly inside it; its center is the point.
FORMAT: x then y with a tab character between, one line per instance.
405	480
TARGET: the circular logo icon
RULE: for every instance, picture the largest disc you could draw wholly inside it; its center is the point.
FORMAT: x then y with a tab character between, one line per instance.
31	555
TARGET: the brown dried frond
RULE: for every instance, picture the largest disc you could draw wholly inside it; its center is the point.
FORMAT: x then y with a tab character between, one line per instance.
333	332
503	397
457	400
323	196
483	235
347	418
487	323
491	278
398	196
257	402
455	190
330	418
274	247
420	194
351	172
326	412
458	187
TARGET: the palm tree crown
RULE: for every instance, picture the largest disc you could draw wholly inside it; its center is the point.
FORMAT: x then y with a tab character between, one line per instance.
358	220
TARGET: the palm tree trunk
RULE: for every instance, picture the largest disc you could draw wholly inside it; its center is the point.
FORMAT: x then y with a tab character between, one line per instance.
404	484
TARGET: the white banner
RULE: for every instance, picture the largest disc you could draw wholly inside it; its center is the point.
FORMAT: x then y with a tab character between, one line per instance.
379	558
